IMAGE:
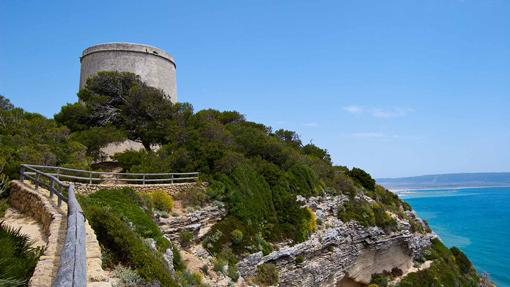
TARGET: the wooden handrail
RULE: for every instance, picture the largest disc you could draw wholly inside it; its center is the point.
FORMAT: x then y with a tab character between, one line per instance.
72	270
99	176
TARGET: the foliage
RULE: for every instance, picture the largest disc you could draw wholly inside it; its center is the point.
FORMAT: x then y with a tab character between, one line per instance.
3	207
18	257
363	178
185	237
127	277
194	197
161	200
446	270
267	275
237	236
127	245
31	138
125	203
359	210
379	279
122	100
300	259
97	137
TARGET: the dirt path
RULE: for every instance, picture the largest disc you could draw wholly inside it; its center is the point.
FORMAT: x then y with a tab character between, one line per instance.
28	226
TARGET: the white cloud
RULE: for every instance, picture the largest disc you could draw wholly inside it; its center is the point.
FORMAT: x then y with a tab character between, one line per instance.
385	113
311	125
353	109
394	112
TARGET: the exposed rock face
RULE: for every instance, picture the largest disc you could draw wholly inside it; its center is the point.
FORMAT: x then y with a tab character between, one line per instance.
339	250
199	222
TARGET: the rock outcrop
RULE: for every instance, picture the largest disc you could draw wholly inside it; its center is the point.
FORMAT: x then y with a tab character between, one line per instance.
339	251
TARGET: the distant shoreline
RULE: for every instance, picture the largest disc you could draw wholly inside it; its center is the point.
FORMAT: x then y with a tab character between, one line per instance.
400	190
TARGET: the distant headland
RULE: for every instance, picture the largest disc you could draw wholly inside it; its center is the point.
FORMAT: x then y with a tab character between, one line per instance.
450	180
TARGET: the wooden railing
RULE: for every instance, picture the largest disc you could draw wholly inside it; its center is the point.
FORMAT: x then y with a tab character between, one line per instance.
87	176
72	270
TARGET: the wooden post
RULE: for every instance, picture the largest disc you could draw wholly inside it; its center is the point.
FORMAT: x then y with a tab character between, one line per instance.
36	180
90	177
143	179
52	187
58	173
22	173
172	178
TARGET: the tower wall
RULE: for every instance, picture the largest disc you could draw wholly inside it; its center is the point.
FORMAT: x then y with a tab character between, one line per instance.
155	66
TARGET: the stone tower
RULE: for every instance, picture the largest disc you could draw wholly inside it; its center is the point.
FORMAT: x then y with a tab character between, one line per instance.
155	66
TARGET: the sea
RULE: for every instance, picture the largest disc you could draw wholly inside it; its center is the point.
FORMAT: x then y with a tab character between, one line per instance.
477	220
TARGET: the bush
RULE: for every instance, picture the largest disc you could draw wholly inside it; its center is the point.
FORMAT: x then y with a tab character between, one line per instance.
300	259
380	279
267	274
360	211
3	207
185	237
192	197
446	270
161	200
396	272
311	223
127	277
237	236
362	177
462	261
126	204
17	257
127	246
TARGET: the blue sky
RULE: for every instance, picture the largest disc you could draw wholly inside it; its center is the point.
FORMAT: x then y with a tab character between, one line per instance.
398	88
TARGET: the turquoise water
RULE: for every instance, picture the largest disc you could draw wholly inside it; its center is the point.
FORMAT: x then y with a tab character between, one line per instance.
477	220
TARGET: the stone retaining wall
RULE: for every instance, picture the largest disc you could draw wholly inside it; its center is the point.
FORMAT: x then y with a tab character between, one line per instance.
54	224
174	188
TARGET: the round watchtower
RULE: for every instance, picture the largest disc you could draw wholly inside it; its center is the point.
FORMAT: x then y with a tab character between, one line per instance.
155	66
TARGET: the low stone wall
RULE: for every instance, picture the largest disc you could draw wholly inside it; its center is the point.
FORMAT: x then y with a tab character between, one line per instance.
54	224
174	188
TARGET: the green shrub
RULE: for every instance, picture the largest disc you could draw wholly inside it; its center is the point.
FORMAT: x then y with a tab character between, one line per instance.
267	274
17	257
219	265
192	197
127	277
232	272
186	278
126	203
362	177
311	223
300	259
127	246
380	279
237	236
446	270
162	200
185	237
462	261
360	211
3	207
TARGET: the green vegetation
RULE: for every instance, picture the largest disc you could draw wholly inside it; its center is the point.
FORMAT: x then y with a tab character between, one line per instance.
3	207
267	275
256	172
161	200
450	268
17	257
121	224
28	137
